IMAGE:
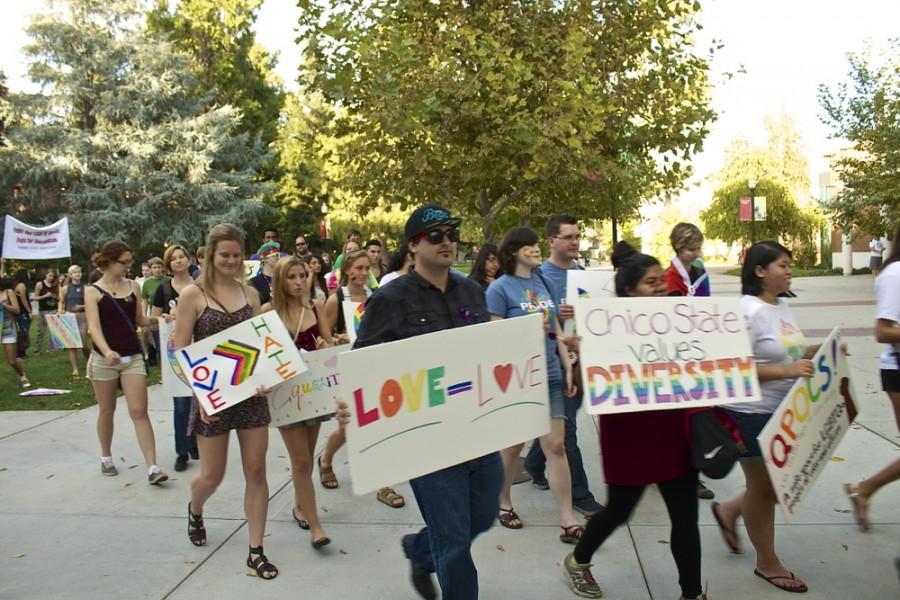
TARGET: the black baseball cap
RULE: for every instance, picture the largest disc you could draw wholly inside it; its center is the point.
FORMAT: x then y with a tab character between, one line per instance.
425	218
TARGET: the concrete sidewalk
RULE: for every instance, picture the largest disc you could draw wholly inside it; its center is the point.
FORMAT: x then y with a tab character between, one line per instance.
68	532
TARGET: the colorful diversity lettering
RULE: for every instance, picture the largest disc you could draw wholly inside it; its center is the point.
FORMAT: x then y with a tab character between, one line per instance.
689	381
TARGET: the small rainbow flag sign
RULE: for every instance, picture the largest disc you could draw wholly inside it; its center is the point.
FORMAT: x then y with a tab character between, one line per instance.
353	312
357	316
63	331
244	356
582	293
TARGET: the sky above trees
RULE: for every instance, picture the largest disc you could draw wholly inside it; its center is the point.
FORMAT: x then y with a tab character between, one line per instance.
787	49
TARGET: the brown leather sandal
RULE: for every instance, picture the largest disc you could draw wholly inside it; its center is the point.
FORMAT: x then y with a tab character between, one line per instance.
390	497
326	476
571	534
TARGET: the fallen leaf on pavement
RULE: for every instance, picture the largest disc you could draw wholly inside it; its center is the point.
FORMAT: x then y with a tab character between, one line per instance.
662	541
842	510
2	468
50	475
838	459
19	556
501	548
342	551
126	485
845	546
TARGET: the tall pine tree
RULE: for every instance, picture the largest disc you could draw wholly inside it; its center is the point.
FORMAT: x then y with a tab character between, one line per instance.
119	138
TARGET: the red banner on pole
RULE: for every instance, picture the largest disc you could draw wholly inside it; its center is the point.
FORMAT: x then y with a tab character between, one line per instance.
745	209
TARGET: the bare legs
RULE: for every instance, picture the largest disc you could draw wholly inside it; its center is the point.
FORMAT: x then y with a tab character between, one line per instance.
301	446
757	506
334	442
12	361
868	487
559	477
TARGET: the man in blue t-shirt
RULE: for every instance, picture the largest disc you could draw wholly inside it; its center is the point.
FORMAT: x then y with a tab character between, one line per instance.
564	237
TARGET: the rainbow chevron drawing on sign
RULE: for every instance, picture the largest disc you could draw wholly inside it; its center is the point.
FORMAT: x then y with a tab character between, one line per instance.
357	316
582	293
245	358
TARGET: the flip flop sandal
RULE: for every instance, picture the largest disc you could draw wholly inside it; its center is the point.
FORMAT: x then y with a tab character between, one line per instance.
733	546
506	518
326	476
302	523
571	534
796	590
391	498
860	506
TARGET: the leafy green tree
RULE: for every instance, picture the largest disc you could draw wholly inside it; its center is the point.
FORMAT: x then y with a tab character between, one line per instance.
495	108
119	139
218	36
865	109
785	220
782	173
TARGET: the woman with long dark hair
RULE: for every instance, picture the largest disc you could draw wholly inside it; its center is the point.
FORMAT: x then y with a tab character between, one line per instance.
887	331
318	289
22	289
520	291
641	449
9	328
487	266
46	292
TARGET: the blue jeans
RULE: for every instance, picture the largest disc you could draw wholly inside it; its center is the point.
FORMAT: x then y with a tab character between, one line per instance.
536	462
458	503
184	444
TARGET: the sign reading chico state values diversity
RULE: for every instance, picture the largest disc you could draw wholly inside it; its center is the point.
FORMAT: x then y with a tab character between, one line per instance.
642	354
436	400
311	394
587	284
226	368
803	433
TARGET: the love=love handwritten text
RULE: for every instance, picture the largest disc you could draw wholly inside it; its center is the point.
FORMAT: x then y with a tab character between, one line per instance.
425	388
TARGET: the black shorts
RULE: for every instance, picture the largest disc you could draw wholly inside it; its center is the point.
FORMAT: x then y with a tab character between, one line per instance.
890	380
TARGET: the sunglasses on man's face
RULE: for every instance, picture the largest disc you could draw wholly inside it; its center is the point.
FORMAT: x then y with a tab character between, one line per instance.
436	236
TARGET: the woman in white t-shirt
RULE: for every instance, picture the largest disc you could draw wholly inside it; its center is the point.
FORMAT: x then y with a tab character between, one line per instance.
781	356
887	331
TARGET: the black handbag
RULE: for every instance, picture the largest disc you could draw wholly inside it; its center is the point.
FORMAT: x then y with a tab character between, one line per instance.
714	449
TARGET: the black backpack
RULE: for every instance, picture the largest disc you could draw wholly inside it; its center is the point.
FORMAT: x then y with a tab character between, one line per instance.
714	449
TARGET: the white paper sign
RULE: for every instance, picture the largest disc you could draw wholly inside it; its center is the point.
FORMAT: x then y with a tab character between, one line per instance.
251	268
803	433
172	377
227	368
29	242
353	312
311	394
587	284
642	354
436	400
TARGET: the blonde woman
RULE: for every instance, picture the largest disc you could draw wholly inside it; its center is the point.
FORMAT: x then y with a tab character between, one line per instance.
71	301
113	310
216	302
354	279
305	319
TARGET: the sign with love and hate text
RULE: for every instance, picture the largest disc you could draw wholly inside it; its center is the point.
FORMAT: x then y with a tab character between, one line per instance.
661	353
227	368
436	400
803	433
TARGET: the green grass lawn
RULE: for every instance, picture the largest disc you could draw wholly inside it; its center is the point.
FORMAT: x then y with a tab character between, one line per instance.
51	370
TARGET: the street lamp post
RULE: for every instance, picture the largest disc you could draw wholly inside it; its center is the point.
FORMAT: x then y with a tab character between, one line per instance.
751	183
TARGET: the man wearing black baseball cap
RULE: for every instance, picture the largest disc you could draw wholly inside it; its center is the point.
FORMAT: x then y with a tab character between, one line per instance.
461	501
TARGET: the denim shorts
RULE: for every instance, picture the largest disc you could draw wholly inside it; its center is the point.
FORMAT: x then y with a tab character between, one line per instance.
557	400
750	425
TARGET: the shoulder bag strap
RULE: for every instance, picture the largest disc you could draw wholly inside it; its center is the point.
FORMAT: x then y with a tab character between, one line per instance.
125	316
